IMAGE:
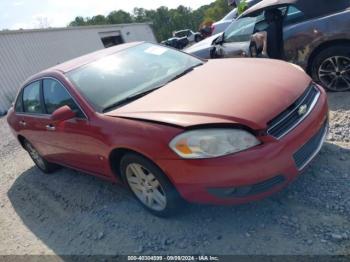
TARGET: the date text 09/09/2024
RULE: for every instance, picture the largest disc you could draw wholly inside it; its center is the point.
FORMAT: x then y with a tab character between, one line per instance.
173	258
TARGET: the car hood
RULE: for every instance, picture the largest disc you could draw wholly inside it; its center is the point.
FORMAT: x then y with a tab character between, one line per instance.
204	44
267	3
307	7
223	22
243	91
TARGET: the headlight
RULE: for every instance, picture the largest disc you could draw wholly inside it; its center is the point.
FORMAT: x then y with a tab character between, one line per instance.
208	143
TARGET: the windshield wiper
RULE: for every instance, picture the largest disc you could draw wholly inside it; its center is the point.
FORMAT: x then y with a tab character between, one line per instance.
186	71
130	98
147	91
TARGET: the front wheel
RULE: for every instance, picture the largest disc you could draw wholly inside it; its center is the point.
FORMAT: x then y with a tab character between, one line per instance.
331	68
39	161
149	185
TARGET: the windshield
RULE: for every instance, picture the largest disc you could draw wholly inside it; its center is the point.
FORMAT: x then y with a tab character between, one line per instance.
240	30
141	68
231	15
181	33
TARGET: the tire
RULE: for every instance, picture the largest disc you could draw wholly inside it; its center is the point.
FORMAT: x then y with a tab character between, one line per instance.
39	161
331	68
149	185
198	38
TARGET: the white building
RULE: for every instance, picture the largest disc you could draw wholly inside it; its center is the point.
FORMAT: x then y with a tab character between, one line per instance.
26	52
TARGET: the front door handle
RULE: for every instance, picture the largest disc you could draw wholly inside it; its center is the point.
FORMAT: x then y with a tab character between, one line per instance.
50	127
22	123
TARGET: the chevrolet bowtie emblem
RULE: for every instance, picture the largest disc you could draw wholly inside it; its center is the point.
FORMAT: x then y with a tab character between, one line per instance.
302	110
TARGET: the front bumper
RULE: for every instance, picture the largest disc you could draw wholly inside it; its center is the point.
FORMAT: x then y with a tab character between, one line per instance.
268	167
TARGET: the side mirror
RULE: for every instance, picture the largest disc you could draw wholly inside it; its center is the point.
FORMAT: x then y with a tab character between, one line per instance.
63	113
219	40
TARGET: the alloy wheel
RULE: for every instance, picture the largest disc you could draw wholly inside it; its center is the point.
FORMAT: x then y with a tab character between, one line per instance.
146	187
334	73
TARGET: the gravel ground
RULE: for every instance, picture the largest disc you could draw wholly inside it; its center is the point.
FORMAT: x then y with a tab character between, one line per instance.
71	213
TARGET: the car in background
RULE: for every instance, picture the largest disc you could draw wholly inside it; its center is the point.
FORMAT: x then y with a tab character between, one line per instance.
204	48
220	26
170	126
191	36
176	42
317	39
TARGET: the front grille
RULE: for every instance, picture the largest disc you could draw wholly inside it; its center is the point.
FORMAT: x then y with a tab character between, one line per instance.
296	113
308	151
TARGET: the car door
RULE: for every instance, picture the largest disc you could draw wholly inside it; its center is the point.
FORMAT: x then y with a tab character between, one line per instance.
30	116
73	142
190	36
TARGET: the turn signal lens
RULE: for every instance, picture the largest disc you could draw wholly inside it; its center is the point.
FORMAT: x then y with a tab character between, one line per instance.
182	147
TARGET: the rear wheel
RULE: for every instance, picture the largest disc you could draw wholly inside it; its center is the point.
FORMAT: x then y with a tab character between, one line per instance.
149	185
331	68
39	161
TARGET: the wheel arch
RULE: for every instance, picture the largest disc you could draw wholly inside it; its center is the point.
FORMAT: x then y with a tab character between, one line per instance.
322	47
21	140
116	156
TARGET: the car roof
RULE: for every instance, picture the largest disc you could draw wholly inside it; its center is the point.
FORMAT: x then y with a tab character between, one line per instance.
184	30
80	61
89	58
305	6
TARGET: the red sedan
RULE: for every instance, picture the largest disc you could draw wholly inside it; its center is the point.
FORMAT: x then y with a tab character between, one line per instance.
171	126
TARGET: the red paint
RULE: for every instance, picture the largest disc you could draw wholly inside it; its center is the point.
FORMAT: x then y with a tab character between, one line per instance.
232	91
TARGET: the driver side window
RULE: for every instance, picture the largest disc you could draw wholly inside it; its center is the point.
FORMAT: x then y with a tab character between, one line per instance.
56	96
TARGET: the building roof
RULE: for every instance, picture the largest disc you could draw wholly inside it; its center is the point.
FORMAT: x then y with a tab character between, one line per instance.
19	31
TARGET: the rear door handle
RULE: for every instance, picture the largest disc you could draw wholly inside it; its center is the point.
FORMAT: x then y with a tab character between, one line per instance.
50	127
22	123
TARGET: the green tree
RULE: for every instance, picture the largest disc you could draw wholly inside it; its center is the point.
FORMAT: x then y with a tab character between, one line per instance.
164	20
119	17
98	20
140	15
78	21
217	10
242	6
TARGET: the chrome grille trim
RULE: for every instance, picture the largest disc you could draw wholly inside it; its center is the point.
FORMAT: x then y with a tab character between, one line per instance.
296	107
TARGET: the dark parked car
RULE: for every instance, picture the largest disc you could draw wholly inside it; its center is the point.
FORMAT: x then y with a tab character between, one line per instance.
176	42
314	34
191	36
222	24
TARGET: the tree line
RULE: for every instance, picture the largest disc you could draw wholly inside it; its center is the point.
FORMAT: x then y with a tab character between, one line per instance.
163	19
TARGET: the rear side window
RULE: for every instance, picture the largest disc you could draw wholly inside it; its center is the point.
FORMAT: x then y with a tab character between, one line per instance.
31	98
182	34
56	96
19	104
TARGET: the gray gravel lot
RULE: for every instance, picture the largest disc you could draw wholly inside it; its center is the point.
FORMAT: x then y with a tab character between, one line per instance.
72	213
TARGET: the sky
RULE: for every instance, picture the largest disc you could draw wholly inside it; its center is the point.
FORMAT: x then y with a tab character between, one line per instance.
27	14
